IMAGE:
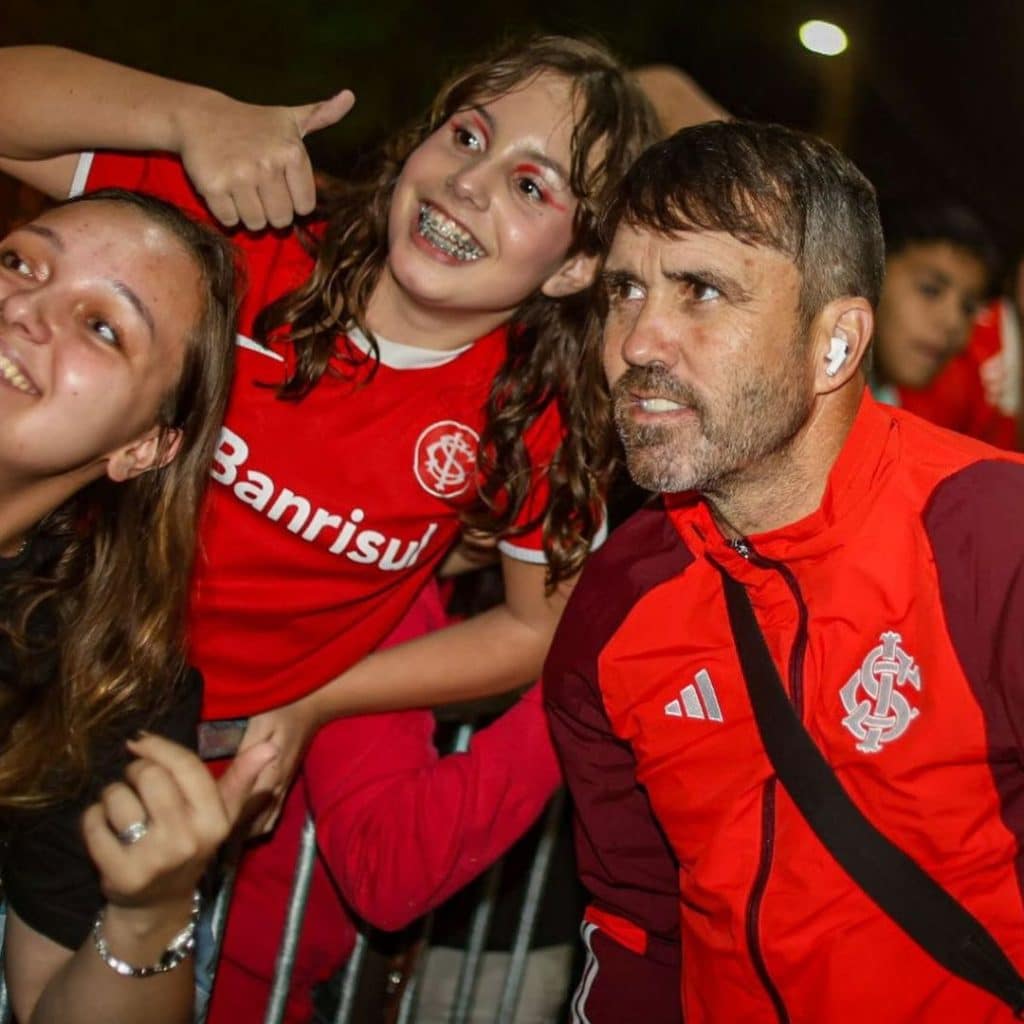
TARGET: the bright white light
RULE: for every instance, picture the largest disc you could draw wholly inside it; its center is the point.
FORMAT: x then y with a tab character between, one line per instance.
823	37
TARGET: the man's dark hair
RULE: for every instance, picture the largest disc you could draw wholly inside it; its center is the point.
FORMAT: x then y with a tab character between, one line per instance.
915	223
765	185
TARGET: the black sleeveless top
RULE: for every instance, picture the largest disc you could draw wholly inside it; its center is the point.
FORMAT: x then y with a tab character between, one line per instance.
48	878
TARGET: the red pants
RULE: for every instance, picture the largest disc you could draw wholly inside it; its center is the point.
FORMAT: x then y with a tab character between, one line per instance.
263	889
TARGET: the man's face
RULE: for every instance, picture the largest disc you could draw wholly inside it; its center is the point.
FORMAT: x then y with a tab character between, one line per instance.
704	355
930	296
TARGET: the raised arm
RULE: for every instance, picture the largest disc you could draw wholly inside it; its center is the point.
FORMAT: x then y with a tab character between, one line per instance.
248	162
491	653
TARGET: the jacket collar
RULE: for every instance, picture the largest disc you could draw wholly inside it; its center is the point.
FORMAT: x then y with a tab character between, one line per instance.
865	459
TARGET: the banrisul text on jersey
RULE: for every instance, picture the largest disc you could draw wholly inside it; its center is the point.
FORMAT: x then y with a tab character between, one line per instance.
340	534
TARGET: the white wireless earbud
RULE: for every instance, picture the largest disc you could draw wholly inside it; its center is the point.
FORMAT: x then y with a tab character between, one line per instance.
838	350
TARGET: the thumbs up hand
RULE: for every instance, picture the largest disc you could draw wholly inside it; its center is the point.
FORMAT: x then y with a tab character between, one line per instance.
249	162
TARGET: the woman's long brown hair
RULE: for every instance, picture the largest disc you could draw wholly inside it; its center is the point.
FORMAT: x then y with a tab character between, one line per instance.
96	631
547	359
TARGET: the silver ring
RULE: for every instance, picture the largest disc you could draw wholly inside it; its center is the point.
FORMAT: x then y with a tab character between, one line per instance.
133	833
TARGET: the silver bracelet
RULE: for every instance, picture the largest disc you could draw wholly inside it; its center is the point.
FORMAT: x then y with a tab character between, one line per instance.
180	947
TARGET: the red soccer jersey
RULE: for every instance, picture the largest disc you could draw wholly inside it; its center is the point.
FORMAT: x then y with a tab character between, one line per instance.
328	514
956	398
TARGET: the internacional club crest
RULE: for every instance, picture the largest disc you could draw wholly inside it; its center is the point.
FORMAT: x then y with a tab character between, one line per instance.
445	458
875	697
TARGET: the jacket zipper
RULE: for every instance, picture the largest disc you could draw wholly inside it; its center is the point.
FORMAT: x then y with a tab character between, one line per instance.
764	867
796	690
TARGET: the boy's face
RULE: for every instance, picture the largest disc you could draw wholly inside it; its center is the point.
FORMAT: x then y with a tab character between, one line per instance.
930	296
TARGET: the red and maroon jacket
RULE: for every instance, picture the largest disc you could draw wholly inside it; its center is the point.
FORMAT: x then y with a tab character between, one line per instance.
894	614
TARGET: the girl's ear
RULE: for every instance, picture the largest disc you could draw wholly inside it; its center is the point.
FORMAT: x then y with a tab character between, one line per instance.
143	454
575	274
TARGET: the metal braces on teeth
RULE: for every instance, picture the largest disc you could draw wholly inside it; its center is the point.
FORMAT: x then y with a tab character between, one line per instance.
445	238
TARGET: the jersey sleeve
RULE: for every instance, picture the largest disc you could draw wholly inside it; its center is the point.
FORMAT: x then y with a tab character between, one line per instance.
542	440
956	400
631	927
156	174
48	876
402	828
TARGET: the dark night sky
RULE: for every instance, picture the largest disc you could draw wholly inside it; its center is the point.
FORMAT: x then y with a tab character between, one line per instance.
937	97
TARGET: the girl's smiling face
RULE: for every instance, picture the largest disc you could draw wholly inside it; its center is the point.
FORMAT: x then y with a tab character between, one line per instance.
482	214
96	302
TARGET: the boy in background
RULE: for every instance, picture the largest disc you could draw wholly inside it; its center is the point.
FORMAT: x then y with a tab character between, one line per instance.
940	265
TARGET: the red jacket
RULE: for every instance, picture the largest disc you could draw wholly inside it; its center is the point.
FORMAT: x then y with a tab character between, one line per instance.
912	566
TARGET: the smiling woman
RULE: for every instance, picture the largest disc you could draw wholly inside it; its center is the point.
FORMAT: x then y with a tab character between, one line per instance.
78	289
115	357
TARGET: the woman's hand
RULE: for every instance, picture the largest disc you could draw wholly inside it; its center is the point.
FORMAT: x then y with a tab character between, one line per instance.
250	162
290	728
152	834
150	837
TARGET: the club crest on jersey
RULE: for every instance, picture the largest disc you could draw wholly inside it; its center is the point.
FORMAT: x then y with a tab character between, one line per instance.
445	458
876	695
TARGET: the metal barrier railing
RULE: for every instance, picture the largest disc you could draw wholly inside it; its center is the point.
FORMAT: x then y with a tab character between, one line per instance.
472	957
535	886
5	1005
350	981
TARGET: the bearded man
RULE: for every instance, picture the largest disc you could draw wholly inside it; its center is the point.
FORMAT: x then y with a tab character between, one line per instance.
788	698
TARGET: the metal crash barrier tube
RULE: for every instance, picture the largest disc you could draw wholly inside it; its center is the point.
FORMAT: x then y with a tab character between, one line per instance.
410	994
292	925
351	973
472	958
535	886
5	1005
218	924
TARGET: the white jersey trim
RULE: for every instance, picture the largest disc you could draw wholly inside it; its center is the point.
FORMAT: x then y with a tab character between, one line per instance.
254	346
521	554
81	175
397	356
535	557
